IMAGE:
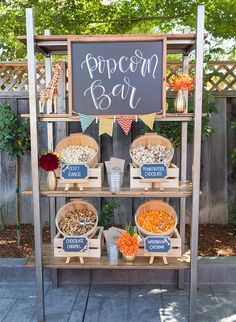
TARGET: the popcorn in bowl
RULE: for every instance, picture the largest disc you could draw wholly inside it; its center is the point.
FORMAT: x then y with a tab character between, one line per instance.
74	154
152	153
77	222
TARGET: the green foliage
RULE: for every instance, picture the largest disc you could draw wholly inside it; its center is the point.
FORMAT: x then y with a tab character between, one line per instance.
107	213
232	213
172	130
46	224
130	229
2	226
14	132
114	17
233	154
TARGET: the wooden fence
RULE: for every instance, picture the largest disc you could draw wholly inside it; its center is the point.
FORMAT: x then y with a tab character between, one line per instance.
219	76
217	176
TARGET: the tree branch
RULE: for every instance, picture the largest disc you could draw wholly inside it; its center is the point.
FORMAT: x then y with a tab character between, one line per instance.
139	19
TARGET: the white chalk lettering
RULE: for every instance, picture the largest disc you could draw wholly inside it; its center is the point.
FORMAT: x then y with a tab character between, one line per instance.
132	104
152	174
74	174
156	247
73	168
155	241
154	168
74	241
103	101
123	64
91	63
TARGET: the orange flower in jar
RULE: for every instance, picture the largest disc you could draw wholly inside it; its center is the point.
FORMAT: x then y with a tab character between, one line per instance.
181	82
128	244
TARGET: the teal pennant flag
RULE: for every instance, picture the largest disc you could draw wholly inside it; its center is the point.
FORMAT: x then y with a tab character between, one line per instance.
85	121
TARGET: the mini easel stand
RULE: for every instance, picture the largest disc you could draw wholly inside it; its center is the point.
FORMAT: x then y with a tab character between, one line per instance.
155	183
81	259
151	260
78	184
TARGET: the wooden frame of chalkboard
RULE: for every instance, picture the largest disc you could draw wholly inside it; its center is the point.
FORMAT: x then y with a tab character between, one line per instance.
121	98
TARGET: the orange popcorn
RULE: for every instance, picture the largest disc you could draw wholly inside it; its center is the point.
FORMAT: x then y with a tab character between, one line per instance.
152	221
128	244
179	82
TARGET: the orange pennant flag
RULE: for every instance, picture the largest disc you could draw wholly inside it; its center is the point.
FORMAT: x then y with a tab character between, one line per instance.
105	126
148	119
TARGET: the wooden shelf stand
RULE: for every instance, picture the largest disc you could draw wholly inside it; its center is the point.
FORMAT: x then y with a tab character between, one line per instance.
183	191
170	117
57	45
49	261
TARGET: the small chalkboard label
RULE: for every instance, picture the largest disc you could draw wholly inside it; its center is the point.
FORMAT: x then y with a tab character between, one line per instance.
74	171
157	244
153	171
75	244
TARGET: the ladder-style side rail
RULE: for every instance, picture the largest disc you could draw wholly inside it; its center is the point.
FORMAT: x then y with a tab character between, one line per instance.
34	164
196	162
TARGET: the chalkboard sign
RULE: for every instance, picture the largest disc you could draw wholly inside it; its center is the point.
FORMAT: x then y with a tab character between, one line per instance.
74	171
117	75
75	244
153	171
157	244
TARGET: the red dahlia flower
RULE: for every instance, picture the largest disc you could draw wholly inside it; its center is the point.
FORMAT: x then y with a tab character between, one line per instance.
49	161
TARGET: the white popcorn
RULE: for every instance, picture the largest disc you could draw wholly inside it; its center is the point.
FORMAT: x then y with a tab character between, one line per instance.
152	153
74	154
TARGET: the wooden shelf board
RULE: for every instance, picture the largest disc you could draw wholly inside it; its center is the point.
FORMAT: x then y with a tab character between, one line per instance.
174	117
57	44
184	190
49	261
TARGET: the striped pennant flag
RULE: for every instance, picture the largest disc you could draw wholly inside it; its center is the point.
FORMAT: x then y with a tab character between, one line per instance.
125	124
85	121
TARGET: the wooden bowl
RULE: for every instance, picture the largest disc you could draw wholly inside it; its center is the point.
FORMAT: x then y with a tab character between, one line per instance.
156	205
150	138
82	140
77	205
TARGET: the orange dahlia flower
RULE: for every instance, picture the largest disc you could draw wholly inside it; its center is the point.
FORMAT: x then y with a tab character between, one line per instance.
184	82
128	244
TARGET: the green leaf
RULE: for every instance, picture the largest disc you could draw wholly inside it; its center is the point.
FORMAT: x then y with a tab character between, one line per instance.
14	133
117	17
107	213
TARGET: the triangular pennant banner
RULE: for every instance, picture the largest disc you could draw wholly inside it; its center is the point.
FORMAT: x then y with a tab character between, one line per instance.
148	119
125	124
85	121
105	126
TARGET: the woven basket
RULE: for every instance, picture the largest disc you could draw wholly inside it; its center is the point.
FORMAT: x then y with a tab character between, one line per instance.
150	138
82	140
76	205
156	205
